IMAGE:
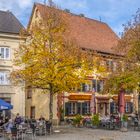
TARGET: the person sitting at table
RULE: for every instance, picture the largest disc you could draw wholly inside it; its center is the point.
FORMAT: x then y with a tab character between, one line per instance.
41	118
8	126
6	119
136	120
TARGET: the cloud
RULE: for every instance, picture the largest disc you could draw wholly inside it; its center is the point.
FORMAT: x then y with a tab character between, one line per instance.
72	4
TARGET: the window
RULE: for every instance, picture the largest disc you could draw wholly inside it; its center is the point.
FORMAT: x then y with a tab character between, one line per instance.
113	108
4	52
70	108
128	107
4	78
97	85
32	112
86	87
85	108
29	92
109	65
73	108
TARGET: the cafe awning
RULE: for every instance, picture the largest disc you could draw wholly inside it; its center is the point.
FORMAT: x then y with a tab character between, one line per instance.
4	105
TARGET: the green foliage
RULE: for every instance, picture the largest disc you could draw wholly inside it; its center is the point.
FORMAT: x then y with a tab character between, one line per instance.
95	120
49	61
128	75
77	119
125	118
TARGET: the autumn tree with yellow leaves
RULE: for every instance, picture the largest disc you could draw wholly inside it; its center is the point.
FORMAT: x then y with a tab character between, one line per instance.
50	62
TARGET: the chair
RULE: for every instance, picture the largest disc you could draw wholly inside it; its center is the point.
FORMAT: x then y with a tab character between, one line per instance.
29	133
48	127
14	133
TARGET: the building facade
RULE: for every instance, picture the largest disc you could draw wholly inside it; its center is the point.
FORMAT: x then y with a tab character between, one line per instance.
9	41
90	35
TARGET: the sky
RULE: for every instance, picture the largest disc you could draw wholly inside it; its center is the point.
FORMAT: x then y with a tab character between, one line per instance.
113	12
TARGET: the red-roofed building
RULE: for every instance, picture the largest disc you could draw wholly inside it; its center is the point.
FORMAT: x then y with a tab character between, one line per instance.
92	35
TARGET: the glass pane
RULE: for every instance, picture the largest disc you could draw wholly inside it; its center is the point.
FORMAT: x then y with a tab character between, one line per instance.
4	78
2	52
7	53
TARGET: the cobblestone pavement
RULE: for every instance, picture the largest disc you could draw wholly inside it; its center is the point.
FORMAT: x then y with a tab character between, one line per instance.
92	134
70	133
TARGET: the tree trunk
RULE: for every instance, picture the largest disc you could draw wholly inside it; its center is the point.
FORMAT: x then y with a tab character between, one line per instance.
51	107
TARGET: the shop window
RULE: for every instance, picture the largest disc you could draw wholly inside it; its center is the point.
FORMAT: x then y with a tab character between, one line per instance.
85	108
128	107
70	108
113	108
73	108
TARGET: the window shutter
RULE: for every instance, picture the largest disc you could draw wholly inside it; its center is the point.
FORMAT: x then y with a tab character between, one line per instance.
94	85
67	109
79	108
7	53
131	107
83	108
2	52
83	87
112	107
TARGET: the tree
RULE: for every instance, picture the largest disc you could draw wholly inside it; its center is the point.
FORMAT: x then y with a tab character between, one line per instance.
128	75
51	62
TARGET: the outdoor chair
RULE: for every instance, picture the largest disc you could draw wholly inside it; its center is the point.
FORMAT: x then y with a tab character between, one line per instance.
14	134
48	127
29	133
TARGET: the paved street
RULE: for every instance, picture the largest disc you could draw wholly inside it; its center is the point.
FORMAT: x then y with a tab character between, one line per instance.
91	134
69	133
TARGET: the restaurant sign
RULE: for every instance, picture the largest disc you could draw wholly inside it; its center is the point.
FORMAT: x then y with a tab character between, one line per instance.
79	97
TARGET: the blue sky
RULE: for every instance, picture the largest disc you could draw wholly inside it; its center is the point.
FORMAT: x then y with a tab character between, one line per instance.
113	12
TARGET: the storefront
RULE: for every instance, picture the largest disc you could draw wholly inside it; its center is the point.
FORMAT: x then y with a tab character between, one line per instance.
78	104
102	105
128	105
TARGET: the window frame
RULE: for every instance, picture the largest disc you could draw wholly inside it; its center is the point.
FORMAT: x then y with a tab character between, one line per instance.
4	76
29	92
4	55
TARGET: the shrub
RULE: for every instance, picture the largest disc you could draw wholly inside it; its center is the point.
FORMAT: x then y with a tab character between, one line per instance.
125	118
77	119
95	119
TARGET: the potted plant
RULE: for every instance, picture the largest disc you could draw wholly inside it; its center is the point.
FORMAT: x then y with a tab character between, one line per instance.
125	121
95	120
77	120
124	125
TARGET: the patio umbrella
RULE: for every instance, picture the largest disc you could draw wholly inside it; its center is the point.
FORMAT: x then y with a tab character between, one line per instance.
4	105
121	102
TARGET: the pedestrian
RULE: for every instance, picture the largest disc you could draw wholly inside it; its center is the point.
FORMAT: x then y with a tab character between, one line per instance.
18	119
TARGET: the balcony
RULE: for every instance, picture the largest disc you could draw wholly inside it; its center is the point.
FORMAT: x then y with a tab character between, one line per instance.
7	89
